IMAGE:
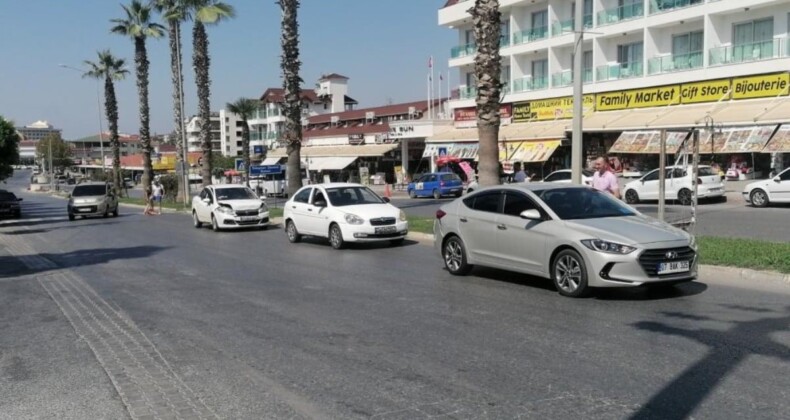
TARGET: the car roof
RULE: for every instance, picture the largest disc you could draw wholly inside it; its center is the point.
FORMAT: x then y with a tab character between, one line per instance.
336	185
91	183
220	186
533	186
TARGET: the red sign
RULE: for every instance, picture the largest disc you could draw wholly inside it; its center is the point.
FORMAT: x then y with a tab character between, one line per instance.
470	114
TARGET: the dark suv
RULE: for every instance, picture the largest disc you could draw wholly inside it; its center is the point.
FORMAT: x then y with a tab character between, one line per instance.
9	204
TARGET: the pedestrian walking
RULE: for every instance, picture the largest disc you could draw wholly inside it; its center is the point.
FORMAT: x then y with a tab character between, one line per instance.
158	193
604	178
149	202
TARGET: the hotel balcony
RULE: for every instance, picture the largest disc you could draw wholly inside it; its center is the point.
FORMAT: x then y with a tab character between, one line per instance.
672	63
619	71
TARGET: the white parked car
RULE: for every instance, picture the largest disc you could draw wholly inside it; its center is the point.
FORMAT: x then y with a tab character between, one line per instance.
343	212
229	206
576	236
764	192
563	176
678	185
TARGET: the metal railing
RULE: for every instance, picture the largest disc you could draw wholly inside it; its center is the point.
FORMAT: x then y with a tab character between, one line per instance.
526	84
562	27
531	35
565	78
658	6
622	13
467	92
463	50
754	51
619	71
671	63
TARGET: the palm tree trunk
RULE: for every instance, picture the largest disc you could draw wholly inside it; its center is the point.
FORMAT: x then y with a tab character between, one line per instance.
245	143
111	109
200	61
141	64
292	108
486	18
177	77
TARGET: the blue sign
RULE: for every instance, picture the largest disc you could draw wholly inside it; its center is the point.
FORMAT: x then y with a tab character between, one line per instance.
240	164
257	150
266	169
442	151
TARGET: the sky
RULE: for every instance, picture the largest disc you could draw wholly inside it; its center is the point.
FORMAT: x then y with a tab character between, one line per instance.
381	45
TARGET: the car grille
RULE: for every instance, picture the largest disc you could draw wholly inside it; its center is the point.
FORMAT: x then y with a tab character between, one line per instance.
382	221
247	212
650	259
82	209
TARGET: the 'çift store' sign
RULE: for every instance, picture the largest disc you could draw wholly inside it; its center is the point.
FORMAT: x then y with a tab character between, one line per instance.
763	86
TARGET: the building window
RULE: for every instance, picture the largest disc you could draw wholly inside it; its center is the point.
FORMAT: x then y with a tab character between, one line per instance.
540	70
630	55
753	40
238	144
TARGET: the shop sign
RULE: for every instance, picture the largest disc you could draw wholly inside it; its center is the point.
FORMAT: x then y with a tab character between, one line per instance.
707	91
548	109
638	98
401	131
761	86
356	139
468	116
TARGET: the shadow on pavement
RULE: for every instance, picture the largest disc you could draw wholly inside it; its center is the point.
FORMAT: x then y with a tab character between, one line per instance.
353	246
680	397
82	257
41	230
655	292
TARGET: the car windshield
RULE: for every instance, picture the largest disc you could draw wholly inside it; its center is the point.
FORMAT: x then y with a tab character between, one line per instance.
587	172
706	171
7	196
351	196
235	194
583	203
89	190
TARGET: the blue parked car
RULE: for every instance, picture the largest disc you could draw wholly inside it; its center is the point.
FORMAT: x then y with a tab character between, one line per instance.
436	185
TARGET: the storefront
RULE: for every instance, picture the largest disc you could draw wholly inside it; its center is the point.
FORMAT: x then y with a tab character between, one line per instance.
363	163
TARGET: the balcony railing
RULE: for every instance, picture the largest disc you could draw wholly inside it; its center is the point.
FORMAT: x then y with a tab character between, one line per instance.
658	6
463	50
530	35
562	27
619	71
565	78
619	14
467	92
266	135
670	63
504	40
755	51
527	84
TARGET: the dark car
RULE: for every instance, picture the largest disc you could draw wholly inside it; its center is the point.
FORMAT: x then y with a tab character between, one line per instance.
9	204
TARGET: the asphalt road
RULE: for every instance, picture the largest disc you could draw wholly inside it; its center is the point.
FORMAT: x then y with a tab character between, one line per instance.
255	327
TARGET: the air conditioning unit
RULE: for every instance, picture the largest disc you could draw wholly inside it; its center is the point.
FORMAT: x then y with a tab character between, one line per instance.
370	116
334	120
412	110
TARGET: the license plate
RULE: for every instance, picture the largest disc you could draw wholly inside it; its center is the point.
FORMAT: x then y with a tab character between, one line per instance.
673	267
386	229
248	218
83	210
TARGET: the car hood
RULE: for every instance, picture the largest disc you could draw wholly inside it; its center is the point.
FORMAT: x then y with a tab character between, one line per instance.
765	183
247	204
370	211
87	198
629	230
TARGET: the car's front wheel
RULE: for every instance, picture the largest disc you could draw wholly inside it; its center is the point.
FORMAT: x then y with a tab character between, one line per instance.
412	194
631	197
437	194
569	274
293	234
195	221
684	196
759	198
336	237
115	211
454	255
214	224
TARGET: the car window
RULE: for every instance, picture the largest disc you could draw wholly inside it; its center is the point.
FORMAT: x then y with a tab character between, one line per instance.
318	196
588	173
430	178
352	196
706	171
785	176
558	176
7	196
204	193
450	177
583	203
236	193
676	173
515	203
89	190
303	196
651	176
487	201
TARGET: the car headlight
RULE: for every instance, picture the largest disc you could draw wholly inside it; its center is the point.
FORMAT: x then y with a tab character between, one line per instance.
263	208
608	247
353	219
226	210
693	241
402	216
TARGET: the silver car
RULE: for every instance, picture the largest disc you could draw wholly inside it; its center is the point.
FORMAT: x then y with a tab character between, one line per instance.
92	199
576	236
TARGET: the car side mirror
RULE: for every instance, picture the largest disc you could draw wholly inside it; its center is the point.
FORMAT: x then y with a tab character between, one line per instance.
531	214
777	179
18	199
206	200
320	203
386	199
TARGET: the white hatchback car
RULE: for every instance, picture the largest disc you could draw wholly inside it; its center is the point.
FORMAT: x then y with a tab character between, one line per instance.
764	192
563	176
343	213
678	185
229	206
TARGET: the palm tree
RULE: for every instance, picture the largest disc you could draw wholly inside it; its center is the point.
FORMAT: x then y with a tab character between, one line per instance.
486	19
292	108
206	12
138	26
244	108
110	69
174	12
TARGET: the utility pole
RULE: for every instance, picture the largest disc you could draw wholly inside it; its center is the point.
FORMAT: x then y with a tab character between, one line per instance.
183	139
578	83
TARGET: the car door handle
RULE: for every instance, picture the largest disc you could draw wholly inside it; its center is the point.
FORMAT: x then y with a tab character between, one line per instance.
463	219
309	209
501	227
293	207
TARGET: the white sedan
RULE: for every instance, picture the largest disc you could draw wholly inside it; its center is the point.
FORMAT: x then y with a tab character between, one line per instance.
343	213
678	185
563	176
764	192
229	206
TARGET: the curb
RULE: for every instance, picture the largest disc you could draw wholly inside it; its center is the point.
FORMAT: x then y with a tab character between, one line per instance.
744	274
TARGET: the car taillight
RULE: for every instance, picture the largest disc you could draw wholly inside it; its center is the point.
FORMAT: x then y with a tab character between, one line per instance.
699	181
440	213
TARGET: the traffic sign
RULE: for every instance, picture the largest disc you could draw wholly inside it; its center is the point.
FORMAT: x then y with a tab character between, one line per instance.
265	169
240	164
442	151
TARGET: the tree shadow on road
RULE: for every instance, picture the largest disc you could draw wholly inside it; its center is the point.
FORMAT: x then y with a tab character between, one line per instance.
727	349
78	258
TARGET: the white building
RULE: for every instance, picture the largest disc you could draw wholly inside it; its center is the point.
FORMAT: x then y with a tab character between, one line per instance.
193	134
37	131
647	64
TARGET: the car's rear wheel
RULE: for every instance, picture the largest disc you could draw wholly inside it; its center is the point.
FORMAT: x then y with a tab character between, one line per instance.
412	194
195	221
115	212
293	234
454	255
437	194
684	196
569	274
759	198
336	236
631	197
214	224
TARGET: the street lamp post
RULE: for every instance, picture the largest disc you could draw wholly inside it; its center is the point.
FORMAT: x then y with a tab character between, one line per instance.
578	108
98	102
183	139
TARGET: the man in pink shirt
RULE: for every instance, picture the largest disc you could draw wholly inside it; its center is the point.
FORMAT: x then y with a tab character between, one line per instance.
604	178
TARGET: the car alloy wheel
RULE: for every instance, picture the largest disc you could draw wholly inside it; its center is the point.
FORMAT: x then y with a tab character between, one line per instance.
759	198
195	221
336	237
115	212
412	194
293	234
455	256
437	194
631	197
569	274
214	224
684	196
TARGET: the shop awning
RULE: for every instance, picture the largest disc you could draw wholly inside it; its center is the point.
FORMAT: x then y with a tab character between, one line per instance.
648	142
329	163
737	139
534	151
367	150
780	143
271	161
535	130
467	150
453	135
